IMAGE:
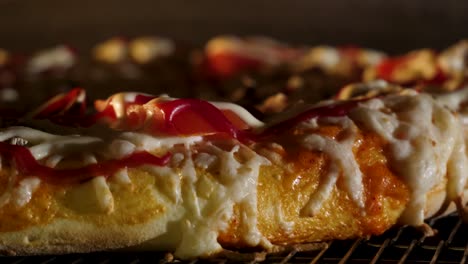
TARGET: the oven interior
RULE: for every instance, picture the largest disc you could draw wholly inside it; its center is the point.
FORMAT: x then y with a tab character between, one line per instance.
393	26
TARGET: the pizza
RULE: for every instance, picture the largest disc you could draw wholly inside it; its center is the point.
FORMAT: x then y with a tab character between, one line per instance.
269	76
196	178
440	71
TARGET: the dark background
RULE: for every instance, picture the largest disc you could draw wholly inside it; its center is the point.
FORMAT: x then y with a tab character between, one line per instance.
394	26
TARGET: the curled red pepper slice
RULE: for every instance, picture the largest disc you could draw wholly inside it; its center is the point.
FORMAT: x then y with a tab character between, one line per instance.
145	113
194	116
72	103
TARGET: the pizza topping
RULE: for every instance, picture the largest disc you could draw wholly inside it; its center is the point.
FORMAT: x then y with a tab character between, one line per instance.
26	164
456	101
324	57
342	162
286	226
120	148
64	145
367	89
241	177
177	110
111	51
208	119
387	68
149	142
208	202
274	104
369	57
145	49
121	176
425	140
59	58
227	56
205	160
150	114
417	67
93	196
422	136
361	57
54	160
454	60
52	148
63	106
341	60
210	207
328	109
228	65
237	115
23	192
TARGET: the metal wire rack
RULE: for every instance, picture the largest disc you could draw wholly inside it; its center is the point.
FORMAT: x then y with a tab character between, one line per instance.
403	245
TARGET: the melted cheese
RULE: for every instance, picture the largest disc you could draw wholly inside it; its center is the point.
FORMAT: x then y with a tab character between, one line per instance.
23	193
456	101
148	143
425	141
111	51
245	115
119	148
342	162
121	176
93	196
207	203
262	49
146	49
51	149
210	212
53	160
286	226
369	57
454	59
325	57
59	57
205	160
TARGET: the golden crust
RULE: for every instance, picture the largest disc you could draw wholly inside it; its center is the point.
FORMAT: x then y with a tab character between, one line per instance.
58	225
68	236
